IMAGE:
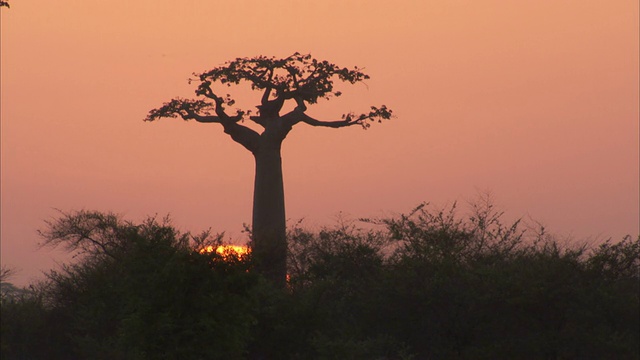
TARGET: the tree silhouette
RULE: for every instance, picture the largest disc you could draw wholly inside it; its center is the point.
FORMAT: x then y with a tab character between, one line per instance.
298	77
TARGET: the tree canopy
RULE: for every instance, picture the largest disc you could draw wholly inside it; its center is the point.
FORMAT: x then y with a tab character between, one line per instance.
298	76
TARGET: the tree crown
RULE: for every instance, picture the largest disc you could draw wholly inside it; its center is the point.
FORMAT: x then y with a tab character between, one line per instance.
298	76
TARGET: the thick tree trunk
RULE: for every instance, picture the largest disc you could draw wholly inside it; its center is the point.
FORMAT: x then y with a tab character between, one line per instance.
269	221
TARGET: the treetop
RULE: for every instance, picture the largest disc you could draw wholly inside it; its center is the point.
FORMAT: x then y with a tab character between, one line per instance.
296	75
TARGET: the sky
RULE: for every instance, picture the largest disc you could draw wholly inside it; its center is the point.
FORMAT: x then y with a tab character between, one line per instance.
535	102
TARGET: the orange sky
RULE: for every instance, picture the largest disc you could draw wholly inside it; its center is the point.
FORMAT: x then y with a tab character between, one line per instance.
535	101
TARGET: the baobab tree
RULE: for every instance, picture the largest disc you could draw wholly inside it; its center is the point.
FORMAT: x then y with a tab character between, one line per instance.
298	77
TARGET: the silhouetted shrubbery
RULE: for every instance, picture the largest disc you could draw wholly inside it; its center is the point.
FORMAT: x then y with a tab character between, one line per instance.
139	291
428	285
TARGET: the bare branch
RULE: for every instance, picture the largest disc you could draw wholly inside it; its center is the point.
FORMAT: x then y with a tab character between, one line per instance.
6	273
86	231
348	121
202	118
376	114
265	96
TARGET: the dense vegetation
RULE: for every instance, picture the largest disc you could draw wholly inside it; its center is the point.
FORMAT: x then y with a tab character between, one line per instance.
427	285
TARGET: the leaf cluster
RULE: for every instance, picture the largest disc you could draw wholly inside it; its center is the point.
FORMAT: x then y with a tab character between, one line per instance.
377	114
181	107
296	75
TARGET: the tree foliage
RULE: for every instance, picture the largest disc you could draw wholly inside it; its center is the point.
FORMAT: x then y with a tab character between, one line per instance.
432	284
427	284
294	75
299	76
145	291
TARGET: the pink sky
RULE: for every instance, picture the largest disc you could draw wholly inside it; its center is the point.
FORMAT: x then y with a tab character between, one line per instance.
535	101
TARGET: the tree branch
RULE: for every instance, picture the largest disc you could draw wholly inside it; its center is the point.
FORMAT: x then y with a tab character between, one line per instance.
201	118
332	124
265	96
239	133
364	120
204	89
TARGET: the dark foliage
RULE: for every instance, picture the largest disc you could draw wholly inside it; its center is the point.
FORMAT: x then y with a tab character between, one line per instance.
433	286
427	285
297	76
139	291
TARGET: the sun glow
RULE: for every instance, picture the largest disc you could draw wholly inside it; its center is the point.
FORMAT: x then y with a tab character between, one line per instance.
227	250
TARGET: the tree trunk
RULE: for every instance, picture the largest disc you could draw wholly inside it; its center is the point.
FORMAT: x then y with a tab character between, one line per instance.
269	221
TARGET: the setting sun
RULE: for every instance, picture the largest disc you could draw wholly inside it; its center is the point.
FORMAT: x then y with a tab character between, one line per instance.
226	250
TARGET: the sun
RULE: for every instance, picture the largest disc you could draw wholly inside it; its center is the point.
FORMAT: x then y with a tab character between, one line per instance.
227	250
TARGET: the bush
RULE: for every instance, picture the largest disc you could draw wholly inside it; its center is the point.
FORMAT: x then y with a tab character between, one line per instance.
434	285
428	284
142	291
